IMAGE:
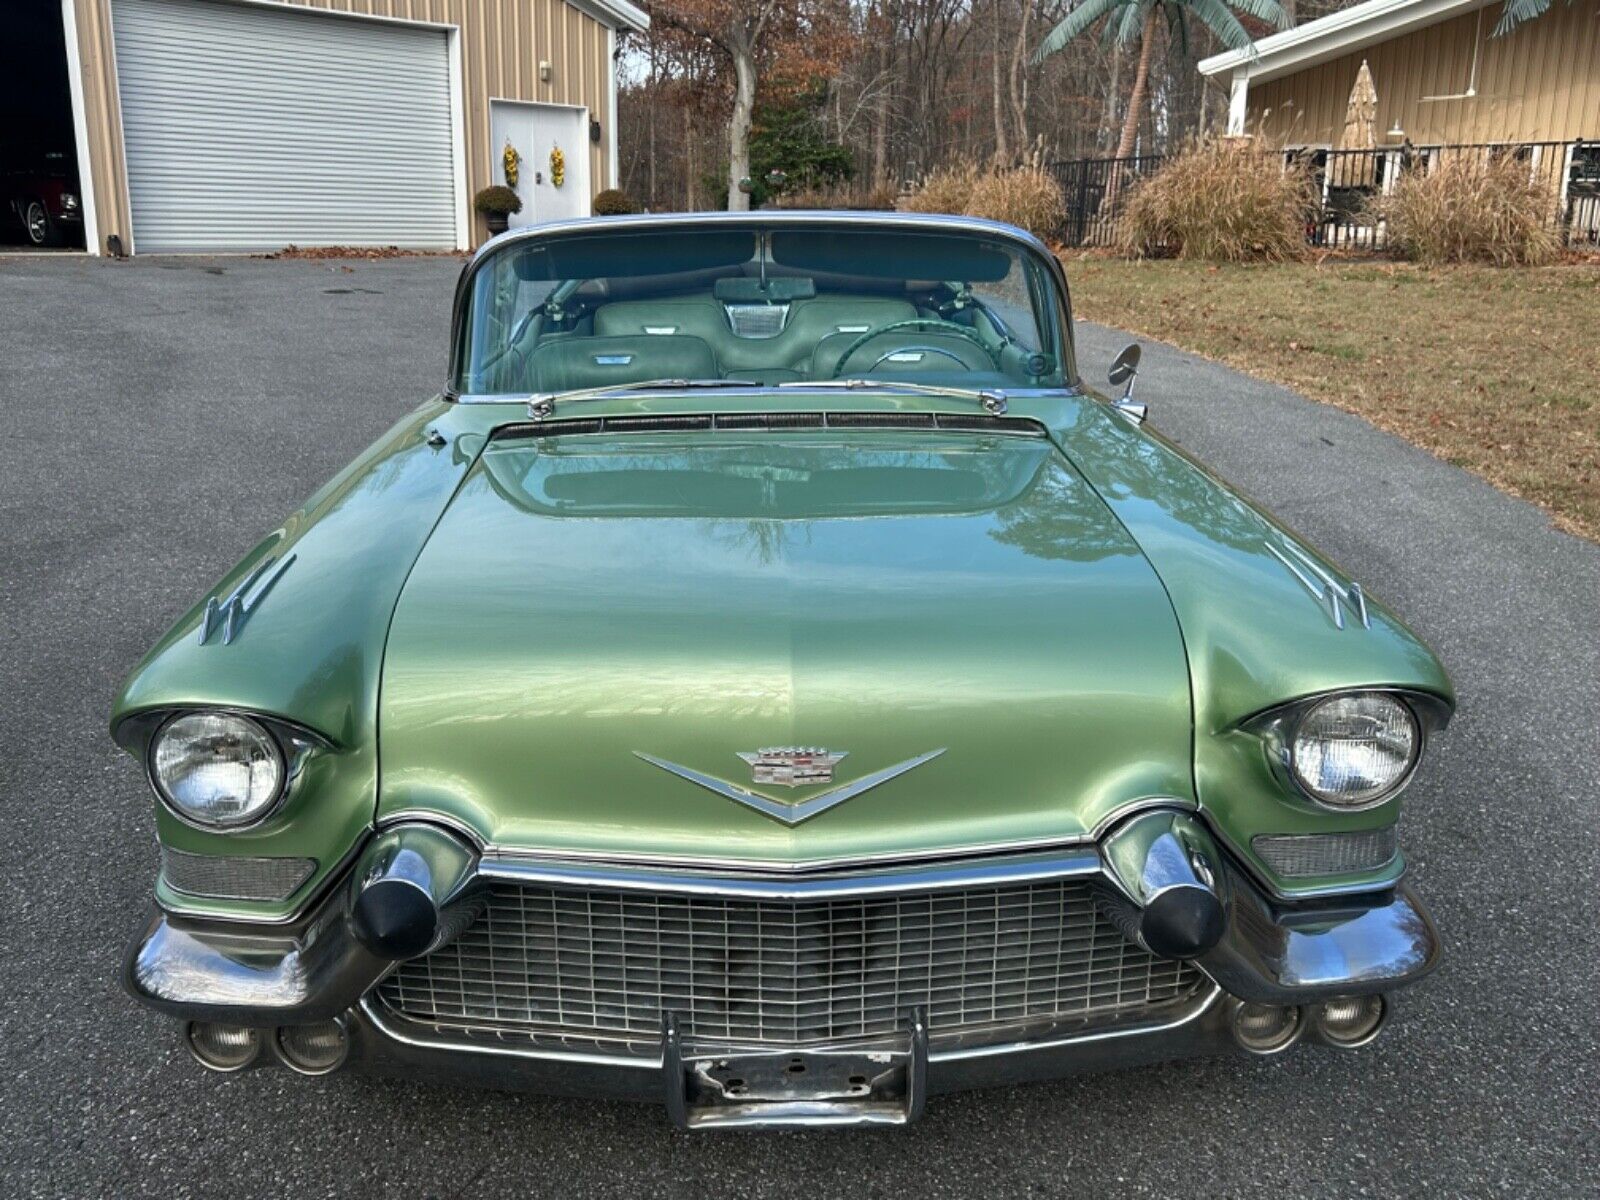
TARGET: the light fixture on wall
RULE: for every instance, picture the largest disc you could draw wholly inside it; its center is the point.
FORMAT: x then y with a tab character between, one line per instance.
1395	132
544	70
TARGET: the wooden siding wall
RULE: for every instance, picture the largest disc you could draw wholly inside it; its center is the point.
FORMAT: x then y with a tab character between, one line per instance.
502	42
1538	83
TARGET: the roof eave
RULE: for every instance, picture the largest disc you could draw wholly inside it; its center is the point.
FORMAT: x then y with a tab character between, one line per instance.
1334	35
616	14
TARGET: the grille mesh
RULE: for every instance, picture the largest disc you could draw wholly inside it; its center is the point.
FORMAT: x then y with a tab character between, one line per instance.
601	967
233	878
1291	855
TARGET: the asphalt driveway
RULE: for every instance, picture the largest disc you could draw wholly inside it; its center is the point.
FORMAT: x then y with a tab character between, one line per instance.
160	416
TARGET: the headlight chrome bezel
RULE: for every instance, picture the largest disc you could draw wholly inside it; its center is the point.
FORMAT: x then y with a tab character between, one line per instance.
1279	727
290	744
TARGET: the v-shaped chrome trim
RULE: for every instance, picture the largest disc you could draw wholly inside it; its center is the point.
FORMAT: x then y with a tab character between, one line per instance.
790	814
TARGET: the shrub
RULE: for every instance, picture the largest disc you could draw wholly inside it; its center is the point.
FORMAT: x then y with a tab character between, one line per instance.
614	202
836	196
1470	210
1220	201
946	190
881	198
1026	197
497	199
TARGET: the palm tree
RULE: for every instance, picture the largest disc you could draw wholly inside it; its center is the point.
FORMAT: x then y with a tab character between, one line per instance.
1137	18
1518	11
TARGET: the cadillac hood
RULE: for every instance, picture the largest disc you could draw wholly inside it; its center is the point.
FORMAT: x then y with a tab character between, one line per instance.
614	644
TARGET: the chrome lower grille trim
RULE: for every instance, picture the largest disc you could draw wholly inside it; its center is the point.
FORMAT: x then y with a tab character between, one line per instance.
597	968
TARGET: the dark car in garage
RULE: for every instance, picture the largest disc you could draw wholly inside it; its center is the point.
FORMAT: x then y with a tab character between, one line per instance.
42	196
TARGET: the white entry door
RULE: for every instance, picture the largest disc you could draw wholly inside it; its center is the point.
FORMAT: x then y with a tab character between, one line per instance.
535	130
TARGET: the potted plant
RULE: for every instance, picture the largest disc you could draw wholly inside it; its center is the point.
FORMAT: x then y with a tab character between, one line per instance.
614	202
497	204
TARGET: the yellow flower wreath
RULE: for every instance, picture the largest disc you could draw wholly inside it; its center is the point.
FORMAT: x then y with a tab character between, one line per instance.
558	167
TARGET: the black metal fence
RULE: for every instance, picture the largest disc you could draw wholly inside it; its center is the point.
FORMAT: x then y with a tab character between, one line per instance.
1094	188
1344	183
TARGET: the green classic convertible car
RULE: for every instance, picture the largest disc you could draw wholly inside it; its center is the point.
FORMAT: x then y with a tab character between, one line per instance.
768	682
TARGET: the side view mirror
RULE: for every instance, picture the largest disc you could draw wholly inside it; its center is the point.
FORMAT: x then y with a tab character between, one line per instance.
1125	366
1123	370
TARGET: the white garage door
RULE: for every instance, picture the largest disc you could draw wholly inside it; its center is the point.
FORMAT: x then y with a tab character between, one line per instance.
251	128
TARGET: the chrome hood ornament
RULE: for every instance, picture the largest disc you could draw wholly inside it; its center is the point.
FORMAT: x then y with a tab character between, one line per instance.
229	615
789	767
792	766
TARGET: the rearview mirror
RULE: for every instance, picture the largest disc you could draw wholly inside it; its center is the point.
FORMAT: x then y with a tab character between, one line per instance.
1125	366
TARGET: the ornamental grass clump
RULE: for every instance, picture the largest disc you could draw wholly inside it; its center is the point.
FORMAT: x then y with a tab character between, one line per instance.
1470	209
946	190
1219	201
1026	197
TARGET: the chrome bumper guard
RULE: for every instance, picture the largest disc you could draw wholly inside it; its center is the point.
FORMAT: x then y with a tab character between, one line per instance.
878	1082
415	887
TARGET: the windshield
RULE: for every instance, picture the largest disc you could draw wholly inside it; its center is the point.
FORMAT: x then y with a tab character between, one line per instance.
760	306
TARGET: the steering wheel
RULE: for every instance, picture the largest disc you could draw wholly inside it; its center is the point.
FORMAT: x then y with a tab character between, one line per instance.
925	323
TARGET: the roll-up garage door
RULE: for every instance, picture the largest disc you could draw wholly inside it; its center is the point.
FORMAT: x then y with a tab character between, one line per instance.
251	127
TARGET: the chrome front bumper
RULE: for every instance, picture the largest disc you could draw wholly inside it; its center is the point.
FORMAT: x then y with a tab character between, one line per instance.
328	965
382	1046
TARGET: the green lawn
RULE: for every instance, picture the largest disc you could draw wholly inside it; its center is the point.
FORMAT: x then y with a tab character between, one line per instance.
1494	369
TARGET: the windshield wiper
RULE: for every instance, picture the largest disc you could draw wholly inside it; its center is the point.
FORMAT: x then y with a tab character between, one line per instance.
543	404
992	399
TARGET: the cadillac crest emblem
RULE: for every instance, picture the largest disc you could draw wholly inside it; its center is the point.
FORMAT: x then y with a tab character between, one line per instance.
792	766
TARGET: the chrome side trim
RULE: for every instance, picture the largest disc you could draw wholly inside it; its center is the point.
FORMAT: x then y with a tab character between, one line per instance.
962	874
778	810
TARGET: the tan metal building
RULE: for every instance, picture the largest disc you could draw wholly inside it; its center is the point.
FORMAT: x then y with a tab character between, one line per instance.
1441	77
220	125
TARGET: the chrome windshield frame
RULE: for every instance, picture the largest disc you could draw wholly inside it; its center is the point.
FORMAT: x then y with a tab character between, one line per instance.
788	392
916	222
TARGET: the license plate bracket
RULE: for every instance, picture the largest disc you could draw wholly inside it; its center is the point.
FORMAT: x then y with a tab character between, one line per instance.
879	1081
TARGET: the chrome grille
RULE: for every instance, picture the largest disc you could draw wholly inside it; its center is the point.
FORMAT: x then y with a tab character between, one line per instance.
601	967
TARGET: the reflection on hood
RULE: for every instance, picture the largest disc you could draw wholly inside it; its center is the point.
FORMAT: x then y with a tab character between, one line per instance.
1040	507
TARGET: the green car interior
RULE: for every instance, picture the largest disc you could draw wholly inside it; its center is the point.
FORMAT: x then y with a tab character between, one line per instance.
763	307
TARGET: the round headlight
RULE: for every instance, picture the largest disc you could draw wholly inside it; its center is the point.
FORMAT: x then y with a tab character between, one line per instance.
219	770
1355	750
